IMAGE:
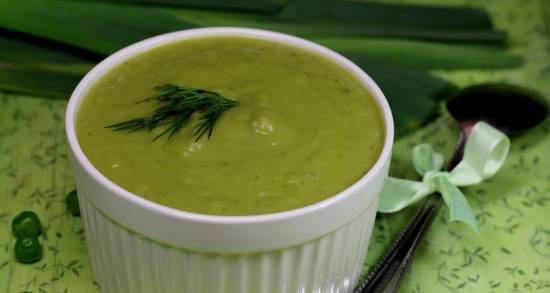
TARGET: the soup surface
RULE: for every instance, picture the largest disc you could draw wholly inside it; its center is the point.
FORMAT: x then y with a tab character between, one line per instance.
304	130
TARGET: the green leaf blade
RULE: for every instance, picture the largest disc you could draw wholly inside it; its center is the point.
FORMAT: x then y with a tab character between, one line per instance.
257	6
412	94
81	24
42	83
402	15
423	55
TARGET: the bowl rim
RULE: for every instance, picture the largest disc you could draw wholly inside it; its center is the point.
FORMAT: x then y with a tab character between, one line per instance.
128	52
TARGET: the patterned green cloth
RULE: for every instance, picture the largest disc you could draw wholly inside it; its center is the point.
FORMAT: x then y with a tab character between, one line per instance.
512	254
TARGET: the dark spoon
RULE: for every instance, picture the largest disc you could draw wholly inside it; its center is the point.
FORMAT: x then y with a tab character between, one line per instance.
509	108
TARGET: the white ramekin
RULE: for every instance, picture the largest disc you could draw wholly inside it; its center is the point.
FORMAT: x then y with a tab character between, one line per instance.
138	246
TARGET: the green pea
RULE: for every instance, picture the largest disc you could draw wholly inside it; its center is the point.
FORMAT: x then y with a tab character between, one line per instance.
28	249
72	203
26	224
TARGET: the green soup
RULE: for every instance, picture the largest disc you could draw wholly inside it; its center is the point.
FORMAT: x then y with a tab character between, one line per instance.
304	130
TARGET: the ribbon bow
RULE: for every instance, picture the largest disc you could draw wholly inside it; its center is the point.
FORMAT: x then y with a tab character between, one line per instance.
484	154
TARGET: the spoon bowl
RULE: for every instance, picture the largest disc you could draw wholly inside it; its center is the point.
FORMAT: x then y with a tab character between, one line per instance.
512	109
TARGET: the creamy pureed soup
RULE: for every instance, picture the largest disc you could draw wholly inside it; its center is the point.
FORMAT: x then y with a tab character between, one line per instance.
304	130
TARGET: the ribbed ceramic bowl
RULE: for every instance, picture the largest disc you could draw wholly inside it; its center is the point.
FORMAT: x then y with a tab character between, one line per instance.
138	246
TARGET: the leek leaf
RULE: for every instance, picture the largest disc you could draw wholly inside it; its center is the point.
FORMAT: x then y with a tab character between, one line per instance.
42	83
422	55
14	50
338	28
401	15
259	6
412	95
98	27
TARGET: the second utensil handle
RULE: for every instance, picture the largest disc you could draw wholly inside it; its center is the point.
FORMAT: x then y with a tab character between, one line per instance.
387	274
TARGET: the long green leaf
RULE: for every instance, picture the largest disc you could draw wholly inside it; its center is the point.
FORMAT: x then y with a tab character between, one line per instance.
340	18
422	55
352	18
261	6
18	51
97	27
42	83
401	15
339	28
377	14
412	94
417	54
28	66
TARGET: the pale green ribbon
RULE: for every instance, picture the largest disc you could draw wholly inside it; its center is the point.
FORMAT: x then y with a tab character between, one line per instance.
484	154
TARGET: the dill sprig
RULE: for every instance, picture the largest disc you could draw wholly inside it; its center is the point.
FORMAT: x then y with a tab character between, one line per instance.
178	103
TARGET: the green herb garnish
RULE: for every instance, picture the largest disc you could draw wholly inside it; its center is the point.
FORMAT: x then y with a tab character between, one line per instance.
178	104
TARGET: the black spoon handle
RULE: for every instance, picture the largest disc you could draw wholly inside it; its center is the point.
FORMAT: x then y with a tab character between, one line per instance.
387	274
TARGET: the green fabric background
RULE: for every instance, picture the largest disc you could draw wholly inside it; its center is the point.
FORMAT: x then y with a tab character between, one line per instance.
512	254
